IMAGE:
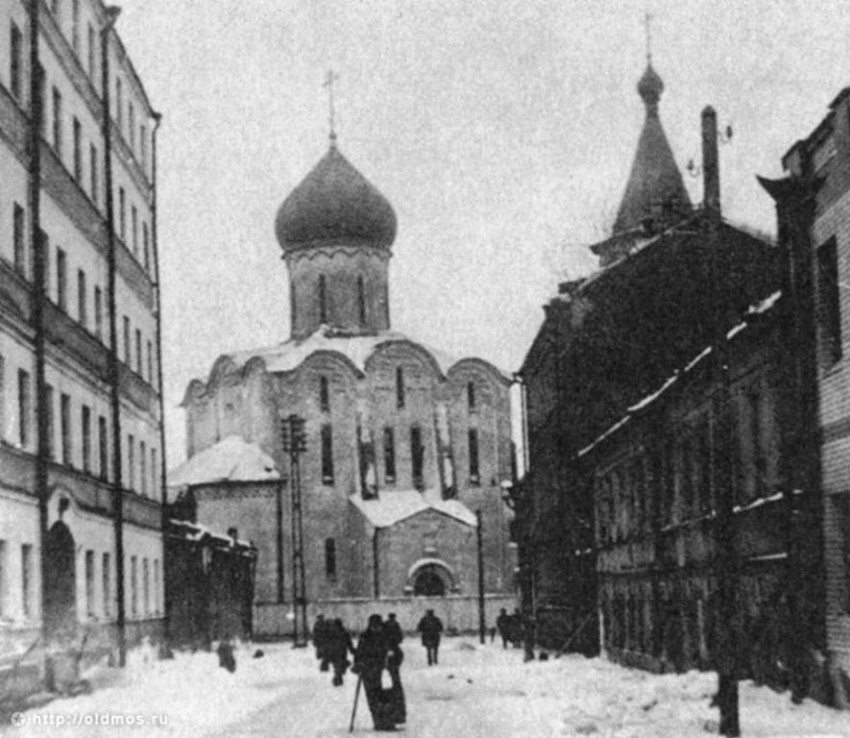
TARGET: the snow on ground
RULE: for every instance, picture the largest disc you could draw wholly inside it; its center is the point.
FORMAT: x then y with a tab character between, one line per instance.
475	691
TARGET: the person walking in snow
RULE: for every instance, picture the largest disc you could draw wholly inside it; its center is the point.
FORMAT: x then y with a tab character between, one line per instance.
370	660
337	647
394	637
431	627
503	625
320	638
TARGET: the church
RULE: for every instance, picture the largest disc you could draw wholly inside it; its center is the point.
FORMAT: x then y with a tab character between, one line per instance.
406	453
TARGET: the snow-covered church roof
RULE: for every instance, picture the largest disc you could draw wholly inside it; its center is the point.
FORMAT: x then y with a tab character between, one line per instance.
395	505
230	460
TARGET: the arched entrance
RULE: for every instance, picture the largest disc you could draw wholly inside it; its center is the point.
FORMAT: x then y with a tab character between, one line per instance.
60	615
428	583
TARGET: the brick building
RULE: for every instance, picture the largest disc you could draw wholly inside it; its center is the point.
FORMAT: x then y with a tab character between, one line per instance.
80	406
404	444
813	209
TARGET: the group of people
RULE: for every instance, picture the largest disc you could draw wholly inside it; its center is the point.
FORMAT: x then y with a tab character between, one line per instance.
378	649
511	628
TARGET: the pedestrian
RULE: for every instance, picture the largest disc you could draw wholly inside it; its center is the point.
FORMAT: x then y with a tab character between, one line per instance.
337	647
503	625
320	632
396	656
431	627
226	656
370	660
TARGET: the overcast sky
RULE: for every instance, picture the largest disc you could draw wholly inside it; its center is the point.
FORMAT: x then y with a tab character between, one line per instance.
502	133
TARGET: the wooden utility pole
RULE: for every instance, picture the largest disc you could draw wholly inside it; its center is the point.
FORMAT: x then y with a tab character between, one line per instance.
482	617
295	443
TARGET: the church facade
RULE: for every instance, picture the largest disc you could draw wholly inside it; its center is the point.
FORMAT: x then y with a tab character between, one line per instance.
406	448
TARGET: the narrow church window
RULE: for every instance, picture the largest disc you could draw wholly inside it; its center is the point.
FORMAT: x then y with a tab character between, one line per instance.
293	305
389	455
324	395
361	300
470	395
327	454
829	303
399	387
323	300
417	456
474	476
330	558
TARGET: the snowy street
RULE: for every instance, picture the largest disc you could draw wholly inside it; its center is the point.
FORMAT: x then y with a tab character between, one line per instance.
474	691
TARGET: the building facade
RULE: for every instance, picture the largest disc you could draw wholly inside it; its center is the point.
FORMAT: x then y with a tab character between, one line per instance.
81	461
404	445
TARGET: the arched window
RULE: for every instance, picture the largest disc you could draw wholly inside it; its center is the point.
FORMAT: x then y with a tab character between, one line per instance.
389	455
474	472
399	387
470	395
330	558
324	395
327	454
361	300
323	300
417	457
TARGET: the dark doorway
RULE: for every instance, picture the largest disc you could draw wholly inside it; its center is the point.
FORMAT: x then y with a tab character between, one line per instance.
60	615
429	583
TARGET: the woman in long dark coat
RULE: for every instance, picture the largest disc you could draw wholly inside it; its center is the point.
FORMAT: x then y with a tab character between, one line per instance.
370	660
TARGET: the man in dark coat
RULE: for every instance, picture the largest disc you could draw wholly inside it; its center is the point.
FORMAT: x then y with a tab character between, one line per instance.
320	638
394	637
503	625
430	627
337	647
370	659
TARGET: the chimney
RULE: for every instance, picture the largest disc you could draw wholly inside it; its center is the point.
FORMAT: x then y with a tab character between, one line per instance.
710	162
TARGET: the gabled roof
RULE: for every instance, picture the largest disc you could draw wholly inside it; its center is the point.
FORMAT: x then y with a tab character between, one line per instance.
394	506
230	460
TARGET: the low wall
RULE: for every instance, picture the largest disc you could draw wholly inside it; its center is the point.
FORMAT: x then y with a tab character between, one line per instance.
459	613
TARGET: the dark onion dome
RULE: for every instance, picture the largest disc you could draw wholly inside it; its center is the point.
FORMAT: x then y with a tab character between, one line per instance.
335	204
650	86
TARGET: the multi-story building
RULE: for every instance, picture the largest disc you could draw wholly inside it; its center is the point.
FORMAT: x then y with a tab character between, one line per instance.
81	460
813	207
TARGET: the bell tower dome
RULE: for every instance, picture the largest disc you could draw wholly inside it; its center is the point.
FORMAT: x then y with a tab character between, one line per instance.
336	231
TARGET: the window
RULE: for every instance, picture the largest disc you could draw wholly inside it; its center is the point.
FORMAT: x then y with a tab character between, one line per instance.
361	300
829	303
324	395
26	579
54	8
4	580
86	421
51	426
143	145
78	151
146	252
399	387
323	300
92	48
82	297
61	280
65	427
122	213
327	454
2	397
75	25
24	408
106	580
40	105
143	467
150	362
470	395
93	173
389	455
330	559
146	586
474	477
19	238
131	461
57	121
417	456
90	583
16	45
134	226
43	246
153	472
134	587
127	348
119	104
138	351
156	585
98	312
103	447
131	124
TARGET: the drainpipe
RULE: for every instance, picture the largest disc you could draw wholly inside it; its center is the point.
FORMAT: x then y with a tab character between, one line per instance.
114	375
36	108
157	117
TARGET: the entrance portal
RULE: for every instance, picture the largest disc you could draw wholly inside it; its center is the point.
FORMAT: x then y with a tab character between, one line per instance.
60	616
429	583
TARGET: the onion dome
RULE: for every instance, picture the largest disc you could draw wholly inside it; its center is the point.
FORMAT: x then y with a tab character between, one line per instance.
650	87
335	205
